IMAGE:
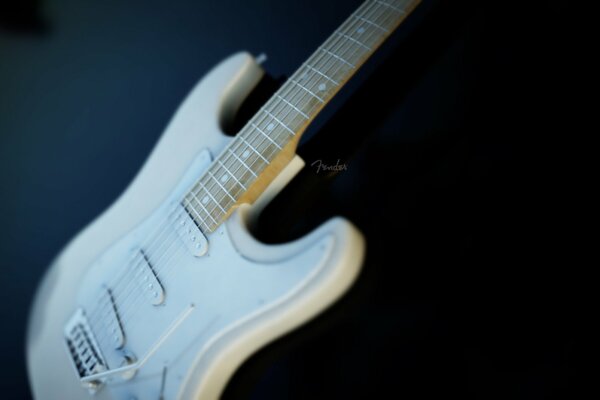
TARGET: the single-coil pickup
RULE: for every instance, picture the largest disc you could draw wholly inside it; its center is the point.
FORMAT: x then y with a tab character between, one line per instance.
188	231
110	320
147	279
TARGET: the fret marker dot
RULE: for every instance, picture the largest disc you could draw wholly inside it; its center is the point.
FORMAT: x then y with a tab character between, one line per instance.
205	200
360	30
322	87
270	127
245	154
224	178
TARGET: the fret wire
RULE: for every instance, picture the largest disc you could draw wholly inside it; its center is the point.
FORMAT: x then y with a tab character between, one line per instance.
349	20
353	40
320	71
266	115
336	56
232	174
263	141
279	120
294	107
382	17
308	90
265	135
229	181
370	35
245	137
262	116
291	111
221	186
214	200
391	6
345	47
322	74
315	84
367	35
202	184
334	48
211	193
243	163
284	99
329	64
254	154
275	116
256	148
249	168
289	89
257	153
364	16
285	90
242	139
296	99
195	193
259	145
196	212
372	24
320	55
364	11
334	44
304	96
204	208
283	124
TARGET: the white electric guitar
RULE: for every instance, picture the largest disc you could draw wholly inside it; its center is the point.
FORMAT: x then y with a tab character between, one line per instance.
166	293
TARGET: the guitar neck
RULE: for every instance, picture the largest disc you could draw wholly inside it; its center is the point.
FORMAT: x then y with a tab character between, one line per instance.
268	141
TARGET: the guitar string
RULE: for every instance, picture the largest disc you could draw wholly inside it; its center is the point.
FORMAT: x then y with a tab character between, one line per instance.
263	139
286	96
253	131
303	94
289	110
239	166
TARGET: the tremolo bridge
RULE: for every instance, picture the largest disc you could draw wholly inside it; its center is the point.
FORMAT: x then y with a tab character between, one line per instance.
86	354
83	348
98	338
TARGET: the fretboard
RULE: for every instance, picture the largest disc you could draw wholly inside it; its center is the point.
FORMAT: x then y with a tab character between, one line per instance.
267	142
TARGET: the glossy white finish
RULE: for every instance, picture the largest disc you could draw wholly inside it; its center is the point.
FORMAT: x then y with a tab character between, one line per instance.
238	296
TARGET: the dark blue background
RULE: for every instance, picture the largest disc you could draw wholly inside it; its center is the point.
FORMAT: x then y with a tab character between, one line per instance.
460	294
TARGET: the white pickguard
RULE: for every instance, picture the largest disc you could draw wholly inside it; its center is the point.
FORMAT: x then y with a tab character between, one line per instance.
244	293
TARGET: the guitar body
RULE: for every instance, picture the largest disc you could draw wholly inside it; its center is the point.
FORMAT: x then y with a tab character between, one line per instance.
212	310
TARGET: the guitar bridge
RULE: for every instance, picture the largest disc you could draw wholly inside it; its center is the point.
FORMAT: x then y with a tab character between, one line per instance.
83	349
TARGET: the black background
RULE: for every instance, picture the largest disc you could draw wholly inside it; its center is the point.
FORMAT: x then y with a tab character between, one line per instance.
454	136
